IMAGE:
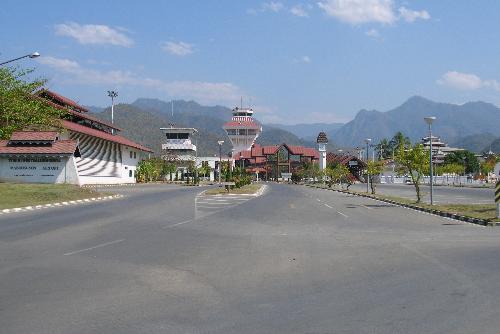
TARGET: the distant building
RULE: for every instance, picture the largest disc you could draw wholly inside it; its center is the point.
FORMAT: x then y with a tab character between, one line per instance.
243	129
269	162
439	149
322	140
178	146
354	164
98	155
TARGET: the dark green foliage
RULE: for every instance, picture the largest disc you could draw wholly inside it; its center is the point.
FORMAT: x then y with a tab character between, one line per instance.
19	109
463	158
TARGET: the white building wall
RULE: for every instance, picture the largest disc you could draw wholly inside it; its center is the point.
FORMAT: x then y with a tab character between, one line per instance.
35	169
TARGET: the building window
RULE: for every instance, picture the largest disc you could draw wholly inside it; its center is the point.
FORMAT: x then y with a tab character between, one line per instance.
130	173
135	155
130	154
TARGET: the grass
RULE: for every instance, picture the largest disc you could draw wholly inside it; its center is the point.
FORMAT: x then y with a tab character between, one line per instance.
481	211
15	195
248	189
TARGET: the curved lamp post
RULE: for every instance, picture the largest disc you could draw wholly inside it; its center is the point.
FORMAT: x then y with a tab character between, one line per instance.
31	55
429	121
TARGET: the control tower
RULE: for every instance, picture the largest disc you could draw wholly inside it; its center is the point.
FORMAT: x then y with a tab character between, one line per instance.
243	129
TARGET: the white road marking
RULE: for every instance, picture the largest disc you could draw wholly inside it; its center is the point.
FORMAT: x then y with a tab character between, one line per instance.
364	206
181	223
318	199
340	213
98	246
328	206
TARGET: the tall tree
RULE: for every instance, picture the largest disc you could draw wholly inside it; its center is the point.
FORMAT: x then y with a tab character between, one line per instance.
399	140
465	158
414	162
19	108
384	149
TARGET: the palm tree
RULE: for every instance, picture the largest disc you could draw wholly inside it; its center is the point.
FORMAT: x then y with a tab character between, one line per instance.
383	148
399	140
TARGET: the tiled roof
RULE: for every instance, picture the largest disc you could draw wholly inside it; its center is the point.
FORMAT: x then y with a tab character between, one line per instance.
66	147
259	152
322	139
62	99
34	136
242	124
343	159
103	135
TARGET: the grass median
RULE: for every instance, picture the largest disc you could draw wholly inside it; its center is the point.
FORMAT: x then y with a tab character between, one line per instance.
481	211
15	195
248	189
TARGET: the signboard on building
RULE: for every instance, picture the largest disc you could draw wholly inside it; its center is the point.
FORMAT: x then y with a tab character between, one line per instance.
33	169
353	163
286	176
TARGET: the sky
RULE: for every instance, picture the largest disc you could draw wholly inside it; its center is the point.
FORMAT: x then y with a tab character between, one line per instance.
292	61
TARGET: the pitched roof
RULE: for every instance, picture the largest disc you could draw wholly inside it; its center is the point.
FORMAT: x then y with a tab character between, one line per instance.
103	135
34	136
65	147
62	99
322	139
260	151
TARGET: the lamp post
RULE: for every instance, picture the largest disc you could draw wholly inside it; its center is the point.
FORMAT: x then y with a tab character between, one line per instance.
31	55
429	121
112	94
220	142
367	141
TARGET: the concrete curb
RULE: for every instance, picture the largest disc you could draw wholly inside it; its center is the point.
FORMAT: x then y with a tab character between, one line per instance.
435	212
59	204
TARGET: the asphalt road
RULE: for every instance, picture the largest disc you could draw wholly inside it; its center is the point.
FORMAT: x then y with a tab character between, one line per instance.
295	260
442	194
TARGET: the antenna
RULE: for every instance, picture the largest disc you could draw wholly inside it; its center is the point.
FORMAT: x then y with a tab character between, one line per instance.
172	105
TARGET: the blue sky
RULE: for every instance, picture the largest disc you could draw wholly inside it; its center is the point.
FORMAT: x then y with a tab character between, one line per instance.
295	61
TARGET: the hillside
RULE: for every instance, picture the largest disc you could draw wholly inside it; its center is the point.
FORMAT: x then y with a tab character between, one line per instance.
310	131
475	143
141	121
453	121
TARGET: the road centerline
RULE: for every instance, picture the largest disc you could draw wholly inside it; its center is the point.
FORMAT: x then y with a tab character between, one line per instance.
95	247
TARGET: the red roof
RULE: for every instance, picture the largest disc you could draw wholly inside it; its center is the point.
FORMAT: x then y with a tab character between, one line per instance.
34	136
342	159
62	99
103	135
242	124
258	152
66	147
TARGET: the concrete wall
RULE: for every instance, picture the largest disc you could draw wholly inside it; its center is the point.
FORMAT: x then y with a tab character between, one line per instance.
36	169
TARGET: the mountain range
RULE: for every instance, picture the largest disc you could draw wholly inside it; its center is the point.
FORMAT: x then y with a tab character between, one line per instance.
473	125
454	123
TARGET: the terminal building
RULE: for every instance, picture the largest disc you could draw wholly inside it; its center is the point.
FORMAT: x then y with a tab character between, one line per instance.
243	129
85	150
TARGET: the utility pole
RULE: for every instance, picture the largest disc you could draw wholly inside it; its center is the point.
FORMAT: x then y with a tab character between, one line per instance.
367	141
429	121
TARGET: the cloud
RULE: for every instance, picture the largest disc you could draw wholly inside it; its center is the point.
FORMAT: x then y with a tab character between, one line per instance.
203	92
358	12
178	48
306	59
466	81
411	15
298	10
273	6
93	34
373	33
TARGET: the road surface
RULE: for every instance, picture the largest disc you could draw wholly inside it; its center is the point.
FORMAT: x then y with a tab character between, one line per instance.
168	259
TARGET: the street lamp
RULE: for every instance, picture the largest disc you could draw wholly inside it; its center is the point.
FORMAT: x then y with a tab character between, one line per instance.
220	142
367	141
429	121
112	94
31	55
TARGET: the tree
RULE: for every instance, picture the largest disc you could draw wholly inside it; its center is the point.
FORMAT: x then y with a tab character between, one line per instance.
464	158
399	140
336	173
414	162
374	168
383	148
169	168
19	108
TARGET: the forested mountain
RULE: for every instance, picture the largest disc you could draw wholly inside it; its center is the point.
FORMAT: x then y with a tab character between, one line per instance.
309	132
475	143
141	121
453	122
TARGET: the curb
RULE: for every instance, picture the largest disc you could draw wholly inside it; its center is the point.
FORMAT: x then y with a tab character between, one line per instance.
470	220
59	204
